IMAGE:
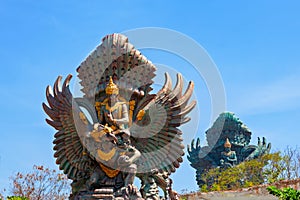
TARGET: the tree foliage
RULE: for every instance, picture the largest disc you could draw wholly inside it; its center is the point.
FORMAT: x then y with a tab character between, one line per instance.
17	198
269	168
40	184
285	193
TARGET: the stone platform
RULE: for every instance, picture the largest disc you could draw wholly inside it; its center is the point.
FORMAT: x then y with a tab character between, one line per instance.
253	193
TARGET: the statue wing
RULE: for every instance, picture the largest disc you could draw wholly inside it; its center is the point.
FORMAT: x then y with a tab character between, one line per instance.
69	152
252	151
156	134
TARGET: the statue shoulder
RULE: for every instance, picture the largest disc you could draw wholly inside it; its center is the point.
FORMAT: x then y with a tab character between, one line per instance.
122	100
102	103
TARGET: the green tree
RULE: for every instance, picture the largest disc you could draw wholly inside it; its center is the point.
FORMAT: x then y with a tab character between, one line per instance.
284	194
267	168
17	198
275	169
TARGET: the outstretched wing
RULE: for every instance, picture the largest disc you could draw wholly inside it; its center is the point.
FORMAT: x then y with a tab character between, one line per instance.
157	135
200	156
69	153
252	151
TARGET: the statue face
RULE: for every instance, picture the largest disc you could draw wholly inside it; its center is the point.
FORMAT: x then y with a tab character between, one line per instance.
227	149
113	97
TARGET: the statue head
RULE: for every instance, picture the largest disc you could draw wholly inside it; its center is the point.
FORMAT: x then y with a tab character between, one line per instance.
227	144
111	88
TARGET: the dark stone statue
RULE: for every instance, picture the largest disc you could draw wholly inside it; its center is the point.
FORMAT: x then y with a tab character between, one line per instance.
118	130
228	157
228	145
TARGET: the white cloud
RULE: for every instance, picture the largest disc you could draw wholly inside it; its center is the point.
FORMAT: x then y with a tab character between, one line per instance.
280	95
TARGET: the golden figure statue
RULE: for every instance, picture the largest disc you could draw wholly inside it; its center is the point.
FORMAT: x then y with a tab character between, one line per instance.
113	112
114	119
127	132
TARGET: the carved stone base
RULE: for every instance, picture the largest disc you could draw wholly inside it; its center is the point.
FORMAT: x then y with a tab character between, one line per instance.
108	194
103	194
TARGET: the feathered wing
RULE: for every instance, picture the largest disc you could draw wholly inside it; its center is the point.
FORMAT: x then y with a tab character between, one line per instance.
70	154
118	58
157	135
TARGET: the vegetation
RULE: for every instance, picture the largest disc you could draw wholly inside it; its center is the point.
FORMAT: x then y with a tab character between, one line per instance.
284	194
40	184
43	183
269	168
17	198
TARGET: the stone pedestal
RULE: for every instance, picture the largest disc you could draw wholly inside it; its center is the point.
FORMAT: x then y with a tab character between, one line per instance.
103	194
108	194
98	194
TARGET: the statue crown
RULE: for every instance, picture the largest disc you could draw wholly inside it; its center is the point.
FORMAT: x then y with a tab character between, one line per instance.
227	143
111	88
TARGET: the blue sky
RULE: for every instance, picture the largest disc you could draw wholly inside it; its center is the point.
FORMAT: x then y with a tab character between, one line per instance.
255	46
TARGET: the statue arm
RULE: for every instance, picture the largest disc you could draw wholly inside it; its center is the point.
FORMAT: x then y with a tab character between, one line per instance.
136	154
130	157
232	157
100	115
124	116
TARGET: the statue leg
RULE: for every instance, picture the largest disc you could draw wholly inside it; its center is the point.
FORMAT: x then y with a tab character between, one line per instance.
93	181
149	189
131	171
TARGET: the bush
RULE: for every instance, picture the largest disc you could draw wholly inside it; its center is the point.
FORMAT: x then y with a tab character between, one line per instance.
17	198
266	169
284	194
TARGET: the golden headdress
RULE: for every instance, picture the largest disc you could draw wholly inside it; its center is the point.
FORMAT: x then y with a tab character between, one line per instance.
111	88
227	143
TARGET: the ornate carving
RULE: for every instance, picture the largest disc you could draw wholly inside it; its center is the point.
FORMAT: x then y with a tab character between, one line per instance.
228	144
129	132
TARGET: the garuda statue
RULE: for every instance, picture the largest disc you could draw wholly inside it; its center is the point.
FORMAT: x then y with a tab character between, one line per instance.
118	130
228	145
